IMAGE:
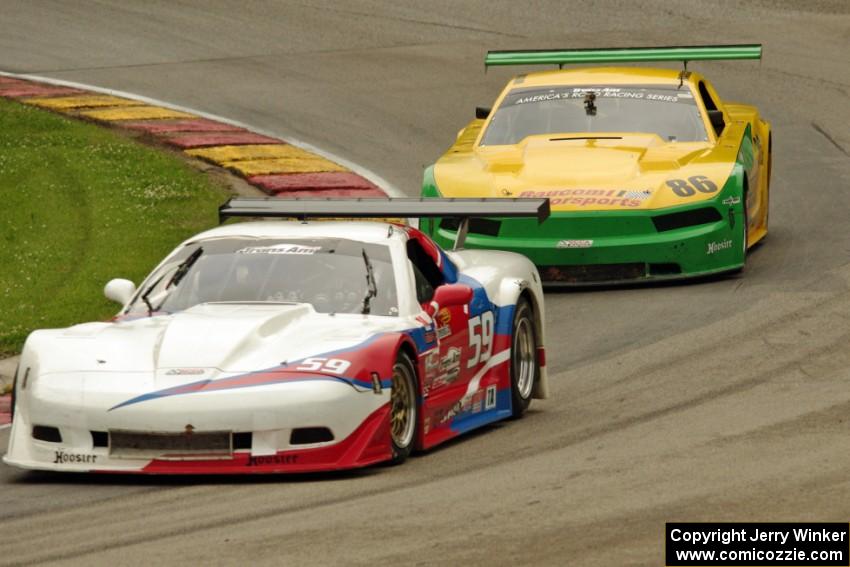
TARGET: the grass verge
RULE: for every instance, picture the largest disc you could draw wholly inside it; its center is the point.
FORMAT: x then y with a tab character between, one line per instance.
79	205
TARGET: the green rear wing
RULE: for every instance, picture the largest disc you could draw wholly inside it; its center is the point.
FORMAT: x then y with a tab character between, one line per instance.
563	57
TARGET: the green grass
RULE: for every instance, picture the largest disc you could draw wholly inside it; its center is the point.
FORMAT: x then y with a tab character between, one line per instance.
79	205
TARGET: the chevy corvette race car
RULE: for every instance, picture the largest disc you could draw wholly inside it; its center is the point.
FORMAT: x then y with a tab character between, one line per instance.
285	346
649	173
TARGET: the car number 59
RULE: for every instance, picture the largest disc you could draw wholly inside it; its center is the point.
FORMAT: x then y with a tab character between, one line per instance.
328	365
480	338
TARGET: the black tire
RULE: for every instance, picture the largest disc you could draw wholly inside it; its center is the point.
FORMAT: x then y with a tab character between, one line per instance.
767	191
525	370
404	412
746	227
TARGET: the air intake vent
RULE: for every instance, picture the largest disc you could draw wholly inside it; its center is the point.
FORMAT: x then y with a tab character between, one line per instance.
242	440
100	439
310	435
46	433
487	227
694	217
592	273
175	446
664	269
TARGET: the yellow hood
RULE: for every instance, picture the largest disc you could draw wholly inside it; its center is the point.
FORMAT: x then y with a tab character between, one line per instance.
613	171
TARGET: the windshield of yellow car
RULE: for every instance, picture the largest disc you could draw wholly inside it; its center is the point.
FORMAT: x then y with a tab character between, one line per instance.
669	112
328	273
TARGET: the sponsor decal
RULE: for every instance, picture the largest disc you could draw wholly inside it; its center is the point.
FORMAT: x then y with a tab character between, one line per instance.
490	402
603	92
427	425
451	360
591	197
296	249
455	409
477	402
443	319
184	372
447	377
731	200
432	360
63	458
574	244
430	336
718	246
432	367
272	460
468	405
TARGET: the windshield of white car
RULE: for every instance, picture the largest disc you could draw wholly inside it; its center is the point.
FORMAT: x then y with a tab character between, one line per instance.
327	273
670	112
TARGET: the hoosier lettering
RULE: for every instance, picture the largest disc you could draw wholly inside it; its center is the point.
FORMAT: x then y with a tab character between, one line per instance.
63	458
272	460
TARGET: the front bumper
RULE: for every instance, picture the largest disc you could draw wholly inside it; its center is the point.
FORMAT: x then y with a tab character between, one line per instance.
601	247
258	422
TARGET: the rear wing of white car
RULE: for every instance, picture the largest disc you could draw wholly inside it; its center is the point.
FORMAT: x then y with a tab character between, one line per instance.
390	208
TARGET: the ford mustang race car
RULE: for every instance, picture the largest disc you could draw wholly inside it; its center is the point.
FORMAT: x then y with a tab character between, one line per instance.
649	173
286	346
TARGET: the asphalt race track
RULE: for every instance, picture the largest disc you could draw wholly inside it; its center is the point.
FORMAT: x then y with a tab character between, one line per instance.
720	400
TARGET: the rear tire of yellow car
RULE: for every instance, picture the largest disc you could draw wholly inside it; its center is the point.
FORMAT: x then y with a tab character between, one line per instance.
404	411
767	188
746	228
14	392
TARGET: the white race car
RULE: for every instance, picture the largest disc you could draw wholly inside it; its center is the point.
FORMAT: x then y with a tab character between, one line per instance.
287	346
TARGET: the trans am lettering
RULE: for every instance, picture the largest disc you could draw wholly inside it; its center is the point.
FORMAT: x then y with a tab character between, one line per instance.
296	249
272	460
64	458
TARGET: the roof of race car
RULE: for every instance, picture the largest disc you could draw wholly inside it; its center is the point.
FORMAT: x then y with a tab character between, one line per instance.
363	231
599	75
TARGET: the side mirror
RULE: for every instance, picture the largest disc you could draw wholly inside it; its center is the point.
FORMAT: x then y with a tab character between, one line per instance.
452	295
119	290
482	112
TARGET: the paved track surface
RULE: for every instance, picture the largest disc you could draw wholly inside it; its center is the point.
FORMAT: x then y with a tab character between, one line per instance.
721	400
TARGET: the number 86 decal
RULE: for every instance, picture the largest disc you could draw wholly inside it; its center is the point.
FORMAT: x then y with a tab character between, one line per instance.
480	338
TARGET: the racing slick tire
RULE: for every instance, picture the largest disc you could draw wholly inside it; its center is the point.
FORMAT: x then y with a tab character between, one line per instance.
745	228
404	413
525	369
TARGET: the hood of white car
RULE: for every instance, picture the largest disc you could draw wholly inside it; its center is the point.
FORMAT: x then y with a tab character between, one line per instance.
228	337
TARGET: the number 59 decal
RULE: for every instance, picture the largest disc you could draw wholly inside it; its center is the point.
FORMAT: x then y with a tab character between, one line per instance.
328	365
480	338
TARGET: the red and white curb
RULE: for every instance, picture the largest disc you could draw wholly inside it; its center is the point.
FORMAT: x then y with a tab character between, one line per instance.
278	165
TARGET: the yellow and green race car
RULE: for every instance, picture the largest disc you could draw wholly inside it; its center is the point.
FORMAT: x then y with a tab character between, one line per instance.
650	175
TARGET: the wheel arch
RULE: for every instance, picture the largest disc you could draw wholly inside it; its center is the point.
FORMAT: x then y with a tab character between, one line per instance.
407	347
541	388
529	289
